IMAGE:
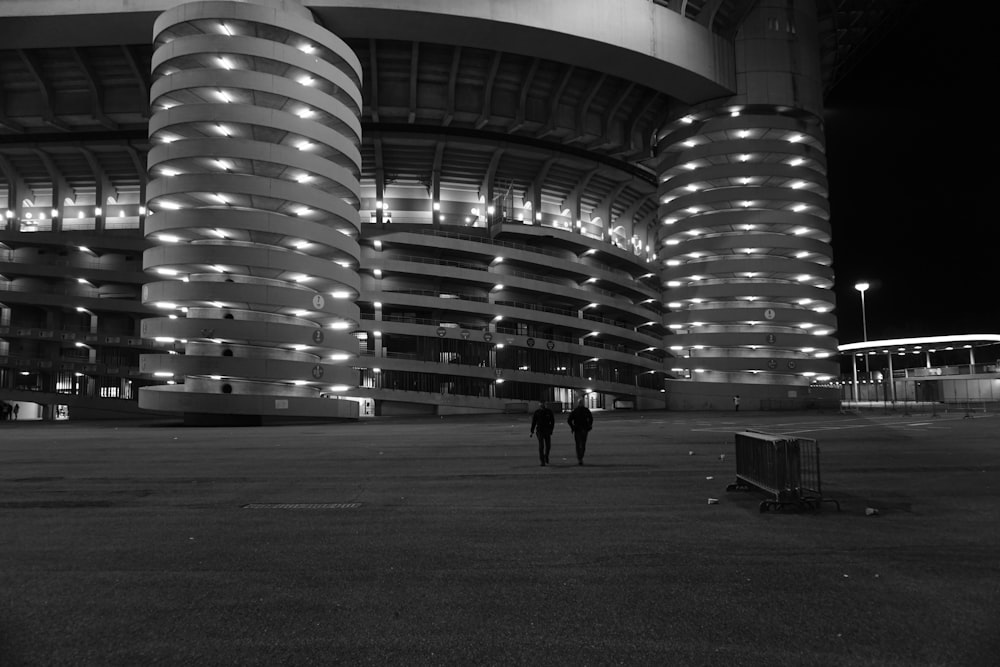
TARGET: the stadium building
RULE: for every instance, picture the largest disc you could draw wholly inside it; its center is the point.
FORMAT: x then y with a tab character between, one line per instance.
246	210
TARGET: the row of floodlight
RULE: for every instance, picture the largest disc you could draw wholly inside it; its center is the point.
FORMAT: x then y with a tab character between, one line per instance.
54	213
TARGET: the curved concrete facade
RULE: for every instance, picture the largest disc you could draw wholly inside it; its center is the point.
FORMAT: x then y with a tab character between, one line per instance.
528	313
745	231
252	210
745	239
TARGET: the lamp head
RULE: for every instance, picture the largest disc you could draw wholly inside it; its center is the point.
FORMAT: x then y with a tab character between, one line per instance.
861	287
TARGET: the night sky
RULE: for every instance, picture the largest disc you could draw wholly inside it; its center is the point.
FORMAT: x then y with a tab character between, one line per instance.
908	135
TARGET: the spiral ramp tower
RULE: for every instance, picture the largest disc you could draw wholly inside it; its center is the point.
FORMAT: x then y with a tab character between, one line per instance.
253	213
745	241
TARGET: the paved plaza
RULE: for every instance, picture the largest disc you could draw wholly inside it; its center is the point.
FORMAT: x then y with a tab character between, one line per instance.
430	541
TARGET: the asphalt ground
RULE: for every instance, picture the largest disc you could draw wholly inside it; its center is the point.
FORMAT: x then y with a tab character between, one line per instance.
433	541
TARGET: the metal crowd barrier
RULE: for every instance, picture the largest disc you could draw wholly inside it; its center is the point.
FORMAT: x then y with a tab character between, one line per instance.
786	469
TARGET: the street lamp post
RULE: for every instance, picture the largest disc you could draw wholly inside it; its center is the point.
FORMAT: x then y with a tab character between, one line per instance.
863	287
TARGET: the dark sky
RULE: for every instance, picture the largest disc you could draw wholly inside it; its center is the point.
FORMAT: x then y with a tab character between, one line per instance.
909	132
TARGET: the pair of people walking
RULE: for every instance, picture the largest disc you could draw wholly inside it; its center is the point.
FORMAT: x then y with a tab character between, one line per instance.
543	423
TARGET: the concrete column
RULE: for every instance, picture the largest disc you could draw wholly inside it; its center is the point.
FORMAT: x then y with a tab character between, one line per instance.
854	370
252	209
745	213
892	381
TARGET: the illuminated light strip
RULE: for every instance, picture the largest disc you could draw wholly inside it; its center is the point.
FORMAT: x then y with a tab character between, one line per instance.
930	340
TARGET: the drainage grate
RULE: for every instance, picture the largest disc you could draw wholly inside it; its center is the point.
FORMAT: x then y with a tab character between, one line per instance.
301	506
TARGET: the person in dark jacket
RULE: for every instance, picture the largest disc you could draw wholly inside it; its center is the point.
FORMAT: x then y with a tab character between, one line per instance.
543	422
580	422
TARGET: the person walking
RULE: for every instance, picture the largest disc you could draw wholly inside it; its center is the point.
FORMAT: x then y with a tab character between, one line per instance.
580	422
15	410
736	402
543	422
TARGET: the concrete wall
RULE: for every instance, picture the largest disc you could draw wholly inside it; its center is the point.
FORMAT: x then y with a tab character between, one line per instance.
397	409
688	396
634	39
777	56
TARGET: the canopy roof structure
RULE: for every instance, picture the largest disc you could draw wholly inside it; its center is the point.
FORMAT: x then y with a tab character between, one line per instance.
920	344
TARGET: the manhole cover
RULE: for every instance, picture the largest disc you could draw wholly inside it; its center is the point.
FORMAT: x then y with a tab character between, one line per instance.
301	506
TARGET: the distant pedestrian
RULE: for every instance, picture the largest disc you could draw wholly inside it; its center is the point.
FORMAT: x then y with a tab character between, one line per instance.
736	402
543	422
15	410
580	422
